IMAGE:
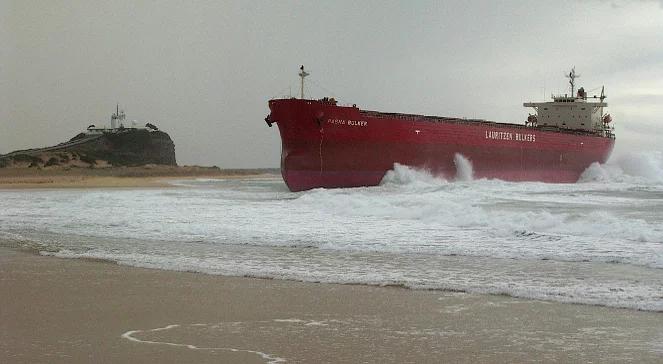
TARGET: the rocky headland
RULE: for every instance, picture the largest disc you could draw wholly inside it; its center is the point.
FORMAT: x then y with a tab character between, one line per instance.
124	148
131	157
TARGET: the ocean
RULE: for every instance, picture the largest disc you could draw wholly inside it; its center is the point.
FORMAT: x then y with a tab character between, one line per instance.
595	242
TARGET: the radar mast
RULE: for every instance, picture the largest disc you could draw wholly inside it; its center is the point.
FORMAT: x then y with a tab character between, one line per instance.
572	77
603	96
302	74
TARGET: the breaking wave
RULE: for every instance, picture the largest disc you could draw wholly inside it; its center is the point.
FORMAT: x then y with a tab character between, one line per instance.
633	167
492	211
419	177
464	169
599	242
402	175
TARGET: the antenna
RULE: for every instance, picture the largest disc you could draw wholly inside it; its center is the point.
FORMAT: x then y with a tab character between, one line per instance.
603	96
572	77
302	74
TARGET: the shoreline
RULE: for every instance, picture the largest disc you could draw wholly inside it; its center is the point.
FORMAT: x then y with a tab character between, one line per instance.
39	250
115	177
403	286
75	310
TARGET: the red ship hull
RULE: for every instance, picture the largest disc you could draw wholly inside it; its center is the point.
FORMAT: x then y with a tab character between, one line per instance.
325	145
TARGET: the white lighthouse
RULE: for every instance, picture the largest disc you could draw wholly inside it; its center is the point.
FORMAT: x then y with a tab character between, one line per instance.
118	118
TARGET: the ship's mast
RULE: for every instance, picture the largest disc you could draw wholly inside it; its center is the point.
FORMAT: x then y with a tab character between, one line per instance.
602	94
572	76
302	74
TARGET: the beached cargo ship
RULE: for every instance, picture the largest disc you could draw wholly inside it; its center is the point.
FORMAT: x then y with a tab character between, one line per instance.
328	145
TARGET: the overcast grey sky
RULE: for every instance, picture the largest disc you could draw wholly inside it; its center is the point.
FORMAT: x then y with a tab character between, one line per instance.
204	70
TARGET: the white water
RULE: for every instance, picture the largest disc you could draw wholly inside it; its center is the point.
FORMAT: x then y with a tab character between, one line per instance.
637	168
131	336
599	241
464	170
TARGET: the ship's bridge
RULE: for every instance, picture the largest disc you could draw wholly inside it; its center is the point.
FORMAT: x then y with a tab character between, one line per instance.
570	111
566	98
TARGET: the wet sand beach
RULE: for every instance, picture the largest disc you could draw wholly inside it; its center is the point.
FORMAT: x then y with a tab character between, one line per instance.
73	311
111	177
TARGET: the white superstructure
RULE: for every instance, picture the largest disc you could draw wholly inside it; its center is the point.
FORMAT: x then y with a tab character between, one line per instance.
118	123
118	118
571	112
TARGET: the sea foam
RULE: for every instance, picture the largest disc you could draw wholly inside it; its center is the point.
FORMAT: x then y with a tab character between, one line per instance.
599	242
632	167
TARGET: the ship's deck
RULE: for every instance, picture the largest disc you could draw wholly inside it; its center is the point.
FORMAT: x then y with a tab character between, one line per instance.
454	120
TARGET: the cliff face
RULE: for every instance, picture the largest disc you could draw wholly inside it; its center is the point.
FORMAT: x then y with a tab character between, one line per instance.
130	147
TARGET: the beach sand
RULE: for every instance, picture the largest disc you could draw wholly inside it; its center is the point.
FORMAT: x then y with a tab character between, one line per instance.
71	311
111	177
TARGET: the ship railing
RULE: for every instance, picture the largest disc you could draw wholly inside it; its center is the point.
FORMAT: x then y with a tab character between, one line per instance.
565	97
452	120
432	118
608	133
